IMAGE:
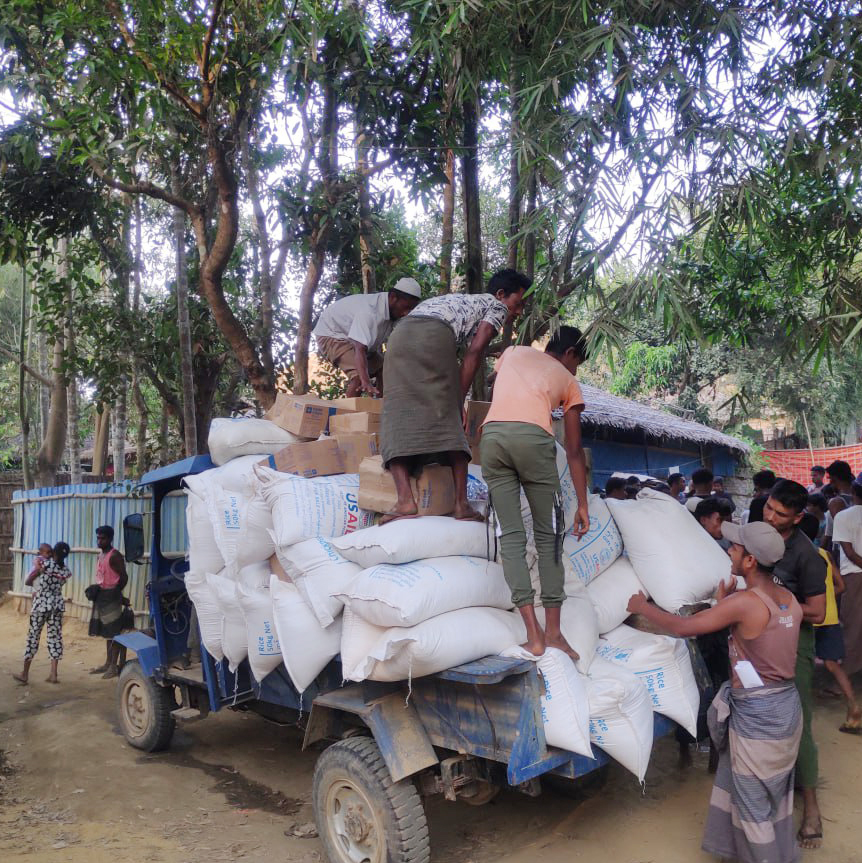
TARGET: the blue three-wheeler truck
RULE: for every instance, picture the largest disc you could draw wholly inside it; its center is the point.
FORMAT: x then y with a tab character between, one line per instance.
463	733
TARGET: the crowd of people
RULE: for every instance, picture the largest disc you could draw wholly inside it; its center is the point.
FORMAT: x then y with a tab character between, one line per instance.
799	550
111	611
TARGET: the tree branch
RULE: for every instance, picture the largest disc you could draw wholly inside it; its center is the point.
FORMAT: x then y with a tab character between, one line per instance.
46	382
141	188
208	40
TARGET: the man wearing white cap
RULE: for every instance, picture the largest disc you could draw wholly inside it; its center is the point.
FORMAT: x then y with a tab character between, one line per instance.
350	333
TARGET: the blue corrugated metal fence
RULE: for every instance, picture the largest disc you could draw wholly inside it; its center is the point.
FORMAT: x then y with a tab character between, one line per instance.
72	513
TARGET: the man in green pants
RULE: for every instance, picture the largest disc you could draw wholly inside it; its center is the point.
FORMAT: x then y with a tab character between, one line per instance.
518	450
803	572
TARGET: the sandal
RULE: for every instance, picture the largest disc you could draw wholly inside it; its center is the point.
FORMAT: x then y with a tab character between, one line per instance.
848	728
809	840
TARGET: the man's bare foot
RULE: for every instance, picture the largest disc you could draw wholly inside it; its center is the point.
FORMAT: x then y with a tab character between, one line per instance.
467	513
398	514
51	680
22	679
534	646
810	835
853	722
560	643
113	671
100	669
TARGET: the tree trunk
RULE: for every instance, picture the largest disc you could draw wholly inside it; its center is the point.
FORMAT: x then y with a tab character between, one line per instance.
470	181
100	440
447	232
306	309
44	366
164	446
514	171
366	226
23	412
267	286
119	422
184	325
530	239
137	393
73	419
54	441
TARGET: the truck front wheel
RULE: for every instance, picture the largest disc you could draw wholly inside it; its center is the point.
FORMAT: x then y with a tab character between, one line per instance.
362	815
144	709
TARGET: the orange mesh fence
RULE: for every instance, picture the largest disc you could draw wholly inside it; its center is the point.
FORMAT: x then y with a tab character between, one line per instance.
796	464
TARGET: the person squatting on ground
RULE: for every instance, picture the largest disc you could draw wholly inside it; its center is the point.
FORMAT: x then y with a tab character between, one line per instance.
351	332
423	412
755	721
48	606
803	572
108	601
519	451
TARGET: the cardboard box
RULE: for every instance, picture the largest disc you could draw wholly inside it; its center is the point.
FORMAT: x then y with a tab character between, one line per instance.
305	416
362	423
362	404
476	413
315	458
355	447
434	490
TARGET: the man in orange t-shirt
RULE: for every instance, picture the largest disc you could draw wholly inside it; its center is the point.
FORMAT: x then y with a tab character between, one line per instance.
519	451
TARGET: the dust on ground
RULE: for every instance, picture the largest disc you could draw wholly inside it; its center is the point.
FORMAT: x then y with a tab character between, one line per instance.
235	787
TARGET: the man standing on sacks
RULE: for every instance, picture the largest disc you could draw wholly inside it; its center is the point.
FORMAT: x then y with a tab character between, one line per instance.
755	721
423	412
519	451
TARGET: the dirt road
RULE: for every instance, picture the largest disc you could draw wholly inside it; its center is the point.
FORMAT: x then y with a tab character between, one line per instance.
233	786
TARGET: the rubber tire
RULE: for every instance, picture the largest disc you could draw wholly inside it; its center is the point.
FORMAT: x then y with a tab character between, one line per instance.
359	759
160	728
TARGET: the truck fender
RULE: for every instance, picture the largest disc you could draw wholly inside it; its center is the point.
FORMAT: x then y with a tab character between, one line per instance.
393	722
145	647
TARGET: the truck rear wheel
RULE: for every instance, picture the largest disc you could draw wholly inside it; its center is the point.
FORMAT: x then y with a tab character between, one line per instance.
362	815
144	709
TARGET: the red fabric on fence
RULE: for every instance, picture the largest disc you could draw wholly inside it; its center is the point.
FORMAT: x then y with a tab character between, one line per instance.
796	464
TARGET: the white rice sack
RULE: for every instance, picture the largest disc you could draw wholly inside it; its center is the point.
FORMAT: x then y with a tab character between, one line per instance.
439	643
675	559
236	475
204	555
233	437
319	572
306	646
579	626
592	554
611	591
264	652
358	638
208	611
408	593
303	508
234	637
407	540
565	708
621	718
663	666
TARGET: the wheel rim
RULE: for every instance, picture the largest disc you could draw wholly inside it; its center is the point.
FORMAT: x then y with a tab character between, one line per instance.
356	831
136	709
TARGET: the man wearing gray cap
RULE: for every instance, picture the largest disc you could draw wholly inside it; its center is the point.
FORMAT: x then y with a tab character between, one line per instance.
755	720
350	333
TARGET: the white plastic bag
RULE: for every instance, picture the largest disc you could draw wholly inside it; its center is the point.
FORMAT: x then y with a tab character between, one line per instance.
204	555
579	626
439	643
319	572
255	575
565	708
621	718
233	437
407	540
234	637
236	475
306	646
302	508
408	593
264	652
208	612
610	593
358	638
584	559
675	559
663	666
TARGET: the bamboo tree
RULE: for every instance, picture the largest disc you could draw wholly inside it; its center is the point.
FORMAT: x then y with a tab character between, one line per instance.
23	411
